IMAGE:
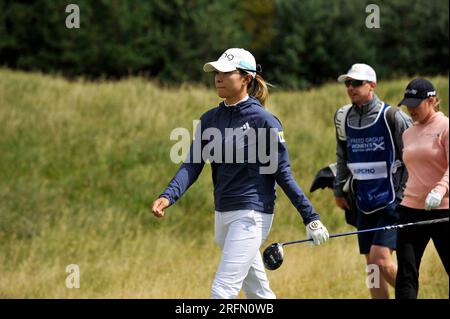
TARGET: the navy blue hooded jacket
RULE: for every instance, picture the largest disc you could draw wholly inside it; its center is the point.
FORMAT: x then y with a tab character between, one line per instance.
240	185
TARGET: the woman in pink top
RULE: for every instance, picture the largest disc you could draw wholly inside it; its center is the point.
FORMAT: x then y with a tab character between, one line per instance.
425	155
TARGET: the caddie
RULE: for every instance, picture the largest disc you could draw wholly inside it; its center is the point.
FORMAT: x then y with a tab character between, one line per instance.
369	151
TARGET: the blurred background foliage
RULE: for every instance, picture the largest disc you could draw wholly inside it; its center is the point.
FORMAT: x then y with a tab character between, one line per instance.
299	43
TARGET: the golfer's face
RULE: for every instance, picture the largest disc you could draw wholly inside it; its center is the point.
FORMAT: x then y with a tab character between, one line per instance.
360	94
230	84
422	112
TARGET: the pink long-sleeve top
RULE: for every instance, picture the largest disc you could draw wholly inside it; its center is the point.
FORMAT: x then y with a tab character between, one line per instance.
425	154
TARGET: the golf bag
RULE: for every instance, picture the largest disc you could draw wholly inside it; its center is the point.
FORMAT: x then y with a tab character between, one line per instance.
324	179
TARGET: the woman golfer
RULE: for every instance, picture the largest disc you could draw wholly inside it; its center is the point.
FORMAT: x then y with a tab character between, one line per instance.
237	137
425	154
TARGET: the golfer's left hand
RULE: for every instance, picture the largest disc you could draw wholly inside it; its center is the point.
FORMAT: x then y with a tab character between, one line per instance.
433	200
317	231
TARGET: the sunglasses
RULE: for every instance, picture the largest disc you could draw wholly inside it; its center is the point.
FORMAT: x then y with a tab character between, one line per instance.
354	83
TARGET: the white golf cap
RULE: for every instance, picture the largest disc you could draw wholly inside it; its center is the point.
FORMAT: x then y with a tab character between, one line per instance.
359	71
233	59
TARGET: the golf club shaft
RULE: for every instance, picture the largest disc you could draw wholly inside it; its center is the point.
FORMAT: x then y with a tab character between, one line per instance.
424	222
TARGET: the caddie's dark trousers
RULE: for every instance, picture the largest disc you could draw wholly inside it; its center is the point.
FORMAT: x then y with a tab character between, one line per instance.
411	244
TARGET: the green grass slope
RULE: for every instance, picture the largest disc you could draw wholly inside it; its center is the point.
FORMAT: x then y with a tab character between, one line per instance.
80	163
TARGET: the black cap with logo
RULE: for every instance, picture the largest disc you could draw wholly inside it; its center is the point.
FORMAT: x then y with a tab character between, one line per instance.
417	91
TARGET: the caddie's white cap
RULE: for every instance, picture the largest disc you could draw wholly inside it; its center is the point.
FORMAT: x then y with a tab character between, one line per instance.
233	59
359	71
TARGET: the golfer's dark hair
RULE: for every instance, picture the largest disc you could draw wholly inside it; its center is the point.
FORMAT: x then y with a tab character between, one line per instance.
257	88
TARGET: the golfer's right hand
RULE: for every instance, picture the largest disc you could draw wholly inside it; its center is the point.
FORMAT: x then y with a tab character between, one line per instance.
159	205
342	203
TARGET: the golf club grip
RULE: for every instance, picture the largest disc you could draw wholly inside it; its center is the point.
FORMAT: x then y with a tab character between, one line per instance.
424	222
333	236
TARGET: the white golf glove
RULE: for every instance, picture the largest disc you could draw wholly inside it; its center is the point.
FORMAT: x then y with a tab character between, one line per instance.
317	231
433	200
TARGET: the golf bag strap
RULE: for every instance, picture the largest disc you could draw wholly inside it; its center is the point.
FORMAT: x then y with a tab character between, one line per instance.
339	121
390	117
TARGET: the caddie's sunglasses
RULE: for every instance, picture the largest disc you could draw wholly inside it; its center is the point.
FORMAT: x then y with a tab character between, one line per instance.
354	83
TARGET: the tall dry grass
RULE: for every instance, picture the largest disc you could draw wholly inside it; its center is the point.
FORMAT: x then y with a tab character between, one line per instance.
80	163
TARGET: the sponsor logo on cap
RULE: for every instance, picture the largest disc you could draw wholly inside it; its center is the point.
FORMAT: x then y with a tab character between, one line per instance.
228	56
357	68
411	91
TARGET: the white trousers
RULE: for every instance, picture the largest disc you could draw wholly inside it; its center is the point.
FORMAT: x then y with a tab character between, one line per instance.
240	234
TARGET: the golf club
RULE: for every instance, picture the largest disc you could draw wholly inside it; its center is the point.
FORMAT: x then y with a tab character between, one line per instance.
273	255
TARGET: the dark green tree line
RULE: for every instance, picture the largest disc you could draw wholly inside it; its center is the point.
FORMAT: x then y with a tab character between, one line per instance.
299	43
